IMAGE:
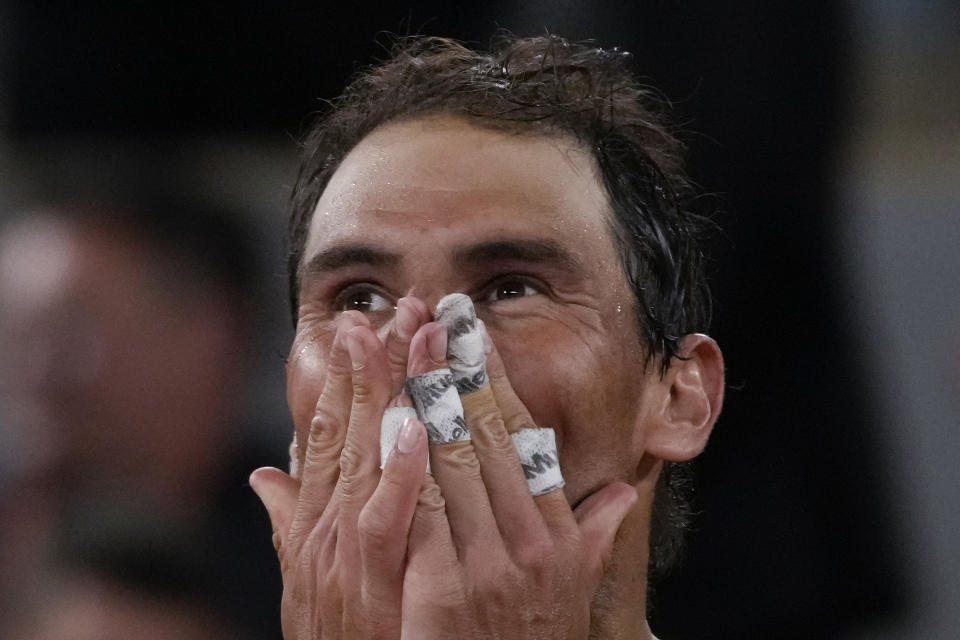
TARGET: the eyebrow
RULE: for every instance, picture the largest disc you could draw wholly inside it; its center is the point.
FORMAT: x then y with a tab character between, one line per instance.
531	251
347	256
544	252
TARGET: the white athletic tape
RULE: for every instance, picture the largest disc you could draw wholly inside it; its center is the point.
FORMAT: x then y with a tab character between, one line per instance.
537	450
438	406
465	353
390	425
294	457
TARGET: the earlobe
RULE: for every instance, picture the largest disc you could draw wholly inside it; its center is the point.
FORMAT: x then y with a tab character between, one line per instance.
690	401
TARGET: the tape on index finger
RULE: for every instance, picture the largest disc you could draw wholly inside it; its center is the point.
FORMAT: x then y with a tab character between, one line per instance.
537	449
465	351
438	406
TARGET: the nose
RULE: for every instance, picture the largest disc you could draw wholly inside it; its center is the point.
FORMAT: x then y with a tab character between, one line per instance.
430	295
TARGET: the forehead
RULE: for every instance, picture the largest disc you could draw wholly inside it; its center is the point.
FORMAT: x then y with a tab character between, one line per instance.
441	174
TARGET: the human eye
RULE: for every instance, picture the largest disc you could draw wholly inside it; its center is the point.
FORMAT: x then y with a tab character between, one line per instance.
509	288
363	297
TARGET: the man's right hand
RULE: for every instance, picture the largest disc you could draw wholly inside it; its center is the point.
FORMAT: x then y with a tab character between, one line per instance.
341	528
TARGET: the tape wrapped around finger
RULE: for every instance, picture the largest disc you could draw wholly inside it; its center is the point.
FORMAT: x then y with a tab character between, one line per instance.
465	352
390	425
294	457
537	449
438	406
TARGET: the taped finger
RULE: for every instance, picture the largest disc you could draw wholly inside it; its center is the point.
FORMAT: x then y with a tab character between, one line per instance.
394	416
453	461
537	449
467	348
438	404
465	343
430	384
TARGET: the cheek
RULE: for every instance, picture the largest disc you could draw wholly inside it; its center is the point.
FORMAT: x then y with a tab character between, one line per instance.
588	394
306	373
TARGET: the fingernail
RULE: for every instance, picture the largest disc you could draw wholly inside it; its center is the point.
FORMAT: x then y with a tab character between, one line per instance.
437	343
411	433
358	356
260	488
406	320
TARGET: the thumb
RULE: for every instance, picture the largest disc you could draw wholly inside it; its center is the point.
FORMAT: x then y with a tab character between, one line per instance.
278	492
599	517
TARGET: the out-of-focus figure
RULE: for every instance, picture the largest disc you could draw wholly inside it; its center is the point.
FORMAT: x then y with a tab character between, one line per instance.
123	334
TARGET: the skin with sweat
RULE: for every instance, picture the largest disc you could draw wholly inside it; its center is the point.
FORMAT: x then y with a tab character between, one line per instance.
520	224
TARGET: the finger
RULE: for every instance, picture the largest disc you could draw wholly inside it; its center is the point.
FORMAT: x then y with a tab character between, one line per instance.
321	465
432	562
431	386
519	520
411	314
540	463
452	459
394	417
384	524
278	492
360	457
599	518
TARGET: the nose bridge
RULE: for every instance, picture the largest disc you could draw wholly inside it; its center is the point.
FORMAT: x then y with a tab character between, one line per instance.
431	276
430	291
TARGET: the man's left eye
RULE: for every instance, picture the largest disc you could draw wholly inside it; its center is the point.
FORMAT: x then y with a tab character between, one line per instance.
365	301
507	289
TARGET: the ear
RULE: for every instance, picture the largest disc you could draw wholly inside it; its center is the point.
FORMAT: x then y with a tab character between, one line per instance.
688	401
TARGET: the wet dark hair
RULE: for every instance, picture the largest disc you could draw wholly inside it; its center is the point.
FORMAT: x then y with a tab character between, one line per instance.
548	86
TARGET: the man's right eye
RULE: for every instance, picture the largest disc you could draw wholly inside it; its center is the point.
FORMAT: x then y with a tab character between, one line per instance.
365	300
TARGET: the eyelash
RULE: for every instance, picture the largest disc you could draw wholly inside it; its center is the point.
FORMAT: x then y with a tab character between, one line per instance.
481	295
489	289
344	292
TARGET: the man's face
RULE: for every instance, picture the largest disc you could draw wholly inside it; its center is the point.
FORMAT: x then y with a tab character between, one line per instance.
435	206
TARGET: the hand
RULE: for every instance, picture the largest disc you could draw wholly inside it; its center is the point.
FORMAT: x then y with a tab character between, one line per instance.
363	552
485	558
340	530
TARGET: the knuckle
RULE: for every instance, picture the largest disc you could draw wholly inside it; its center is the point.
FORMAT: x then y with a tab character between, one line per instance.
326	426
321	457
535	556
367	393
373	529
460	455
431	499
361	385
350	464
497	585
339	367
480	404
495	439
354	468
397	350
516	416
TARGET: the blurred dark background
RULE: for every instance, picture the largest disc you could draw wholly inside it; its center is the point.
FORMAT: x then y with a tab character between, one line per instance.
826	134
